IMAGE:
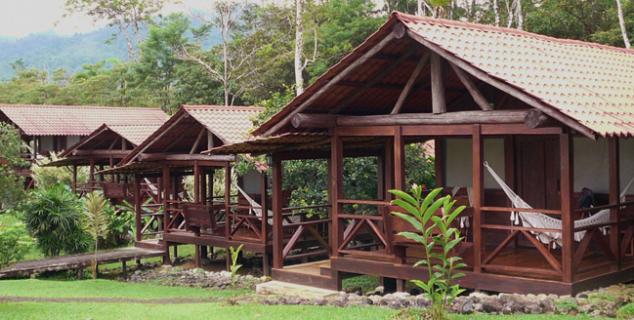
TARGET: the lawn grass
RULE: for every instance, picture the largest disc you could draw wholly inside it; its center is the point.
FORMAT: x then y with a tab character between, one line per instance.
157	311
104	289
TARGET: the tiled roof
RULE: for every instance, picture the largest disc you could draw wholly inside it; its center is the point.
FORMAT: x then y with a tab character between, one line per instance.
134	133
585	85
588	82
49	120
230	123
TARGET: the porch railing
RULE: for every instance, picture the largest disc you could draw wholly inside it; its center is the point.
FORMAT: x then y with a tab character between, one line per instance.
306	231
365	232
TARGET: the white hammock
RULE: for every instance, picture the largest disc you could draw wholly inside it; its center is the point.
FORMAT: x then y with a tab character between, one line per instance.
540	220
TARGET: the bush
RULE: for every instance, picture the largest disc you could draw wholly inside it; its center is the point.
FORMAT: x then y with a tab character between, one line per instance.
53	217
14	242
120	225
46	177
11	184
626	312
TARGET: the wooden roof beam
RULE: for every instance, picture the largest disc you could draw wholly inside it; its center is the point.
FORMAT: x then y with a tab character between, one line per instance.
398	32
424	60
325	121
475	93
199	137
438	102
376	79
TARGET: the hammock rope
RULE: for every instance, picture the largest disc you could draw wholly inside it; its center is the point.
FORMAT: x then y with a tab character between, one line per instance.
543	221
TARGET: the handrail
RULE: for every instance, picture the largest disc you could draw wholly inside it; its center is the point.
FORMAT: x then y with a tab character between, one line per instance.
607	206
519	228
314	206
358	216
527	210
366	202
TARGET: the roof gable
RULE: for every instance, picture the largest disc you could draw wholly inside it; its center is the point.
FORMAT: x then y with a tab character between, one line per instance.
584	85
185	130
57	120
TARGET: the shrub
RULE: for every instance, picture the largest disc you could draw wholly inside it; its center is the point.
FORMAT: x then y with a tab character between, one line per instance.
626	312
438	238
46	177
14	242
120	225
53	217
96	222
11	183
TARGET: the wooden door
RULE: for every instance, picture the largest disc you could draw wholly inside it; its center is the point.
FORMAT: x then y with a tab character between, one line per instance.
536	168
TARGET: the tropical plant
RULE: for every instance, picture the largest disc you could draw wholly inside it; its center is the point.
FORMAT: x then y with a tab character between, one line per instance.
11	183
235	254
96	222
46	177
53	217
14	242
438	238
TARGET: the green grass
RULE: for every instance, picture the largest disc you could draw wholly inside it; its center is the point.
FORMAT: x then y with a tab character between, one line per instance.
103	289
158	311
209	311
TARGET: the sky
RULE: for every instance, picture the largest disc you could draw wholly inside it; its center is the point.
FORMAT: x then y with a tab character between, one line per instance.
19	18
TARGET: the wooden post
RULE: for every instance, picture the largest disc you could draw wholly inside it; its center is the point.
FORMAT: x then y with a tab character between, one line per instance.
196	182
439	104
615	190
336	191
478	195
203	186
124	268
276	193
439	162
227	202
74	183
165	184
567	218
166	196
91	175
265	209
138	218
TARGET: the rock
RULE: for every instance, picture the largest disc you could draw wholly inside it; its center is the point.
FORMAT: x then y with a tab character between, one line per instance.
491	305
377	291
375	299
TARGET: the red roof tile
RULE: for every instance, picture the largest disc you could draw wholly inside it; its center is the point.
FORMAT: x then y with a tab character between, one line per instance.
230	123
589	85
49	120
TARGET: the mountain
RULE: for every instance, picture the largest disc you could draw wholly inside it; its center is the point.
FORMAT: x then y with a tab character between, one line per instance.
50	51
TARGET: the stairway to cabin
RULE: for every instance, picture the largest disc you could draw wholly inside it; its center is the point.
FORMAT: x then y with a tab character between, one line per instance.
315	274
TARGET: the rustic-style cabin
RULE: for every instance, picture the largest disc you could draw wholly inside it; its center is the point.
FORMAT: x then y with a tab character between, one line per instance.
53	128
104	148
191	202
532	133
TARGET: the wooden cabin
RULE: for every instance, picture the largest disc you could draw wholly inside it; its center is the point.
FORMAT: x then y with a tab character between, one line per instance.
192	204
54	128
532	133
102	149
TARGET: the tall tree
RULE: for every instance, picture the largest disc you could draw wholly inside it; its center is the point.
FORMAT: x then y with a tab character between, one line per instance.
619	8
128	16
300	61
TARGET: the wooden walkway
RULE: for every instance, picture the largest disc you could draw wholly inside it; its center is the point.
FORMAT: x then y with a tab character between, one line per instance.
77	261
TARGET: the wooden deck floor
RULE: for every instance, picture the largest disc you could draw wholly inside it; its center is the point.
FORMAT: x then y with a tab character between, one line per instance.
71	262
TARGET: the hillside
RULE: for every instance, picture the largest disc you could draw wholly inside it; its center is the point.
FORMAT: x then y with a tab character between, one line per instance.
49	51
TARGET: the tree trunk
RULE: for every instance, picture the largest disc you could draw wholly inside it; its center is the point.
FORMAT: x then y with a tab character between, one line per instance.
626	39
299	48
496	11
519	15
225	58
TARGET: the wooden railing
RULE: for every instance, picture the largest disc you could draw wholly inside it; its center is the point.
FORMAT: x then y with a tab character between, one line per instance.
306	231
373	240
